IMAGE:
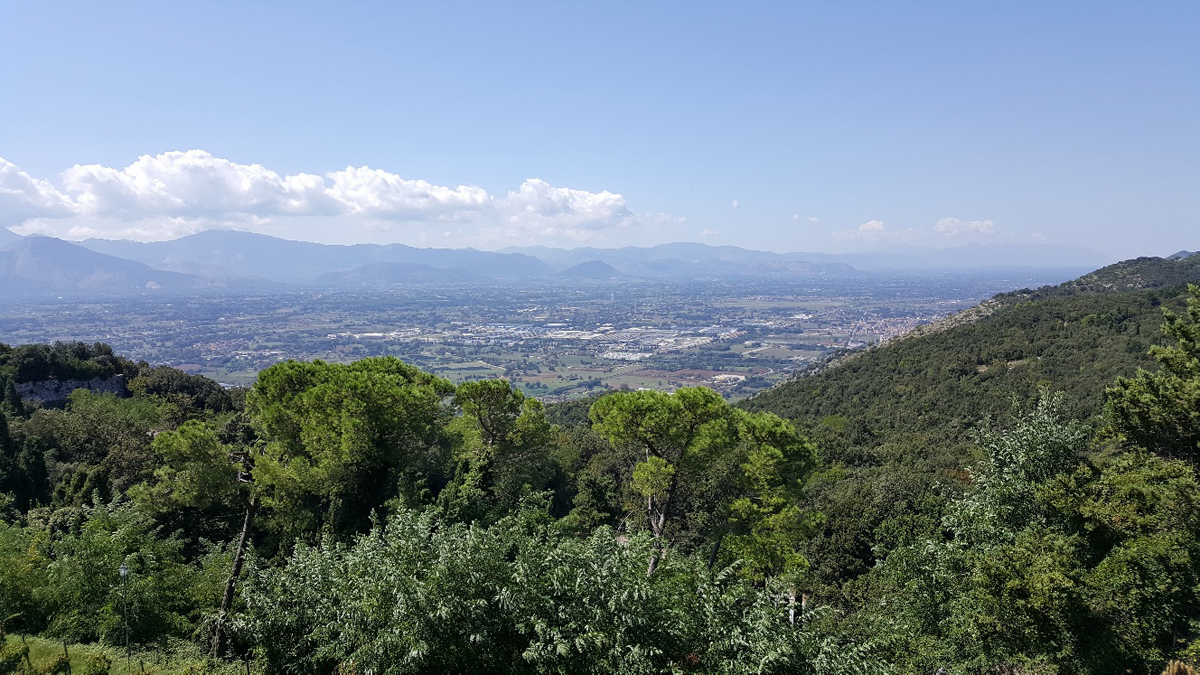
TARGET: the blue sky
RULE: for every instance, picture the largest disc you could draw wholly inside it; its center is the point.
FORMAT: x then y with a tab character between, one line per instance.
781	126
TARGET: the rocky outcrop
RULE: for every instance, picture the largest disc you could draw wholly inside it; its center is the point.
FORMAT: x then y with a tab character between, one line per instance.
56	391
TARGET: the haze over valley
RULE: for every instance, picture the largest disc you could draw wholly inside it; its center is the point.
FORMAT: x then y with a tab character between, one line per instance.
558	323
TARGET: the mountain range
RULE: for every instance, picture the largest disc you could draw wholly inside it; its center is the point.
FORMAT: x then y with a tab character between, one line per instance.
44	264
674	257
231	253
230	260
7	236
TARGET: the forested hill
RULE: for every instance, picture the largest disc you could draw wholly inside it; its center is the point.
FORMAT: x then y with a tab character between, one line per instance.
1127	275
934	387
899	421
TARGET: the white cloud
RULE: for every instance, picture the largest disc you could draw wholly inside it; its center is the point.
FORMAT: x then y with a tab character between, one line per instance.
662	219
178	193
953	226
373	192
709	233
23	197
193	184
538	207
872	230
736	204
196	184
808	221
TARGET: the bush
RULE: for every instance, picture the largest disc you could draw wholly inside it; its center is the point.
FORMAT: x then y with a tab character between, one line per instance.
423	595
84	597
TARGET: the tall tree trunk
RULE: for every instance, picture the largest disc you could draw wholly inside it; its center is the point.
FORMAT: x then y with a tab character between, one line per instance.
654	554
658	513
239	556
656	531
658	525
712	556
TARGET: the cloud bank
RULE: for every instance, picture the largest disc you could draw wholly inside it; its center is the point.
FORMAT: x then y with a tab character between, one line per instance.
872	230
875	231
178	193
954	226
23	197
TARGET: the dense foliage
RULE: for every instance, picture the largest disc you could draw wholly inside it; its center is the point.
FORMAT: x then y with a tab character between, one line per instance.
1007	494
420	595
897	424
61	361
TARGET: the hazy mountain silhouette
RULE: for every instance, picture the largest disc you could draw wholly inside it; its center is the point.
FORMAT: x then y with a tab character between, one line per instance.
285	260
688	260
967	257
45	264
592	269
682	258
232	256
7	236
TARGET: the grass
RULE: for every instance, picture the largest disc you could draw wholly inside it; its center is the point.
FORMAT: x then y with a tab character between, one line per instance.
180	659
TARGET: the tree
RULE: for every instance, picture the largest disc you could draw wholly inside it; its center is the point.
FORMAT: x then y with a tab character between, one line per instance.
22	471
1160	411
768	517
187	396
1051	561
98	442
505	454
677	435
703	466
82	594
1137	515
198	471
339	441
1017	462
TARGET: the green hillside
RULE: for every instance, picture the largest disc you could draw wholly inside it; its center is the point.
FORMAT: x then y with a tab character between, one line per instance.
936	385
897	424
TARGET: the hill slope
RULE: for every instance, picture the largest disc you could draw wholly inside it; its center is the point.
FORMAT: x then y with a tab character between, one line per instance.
593	269
7	236
938	382
896	423
45	264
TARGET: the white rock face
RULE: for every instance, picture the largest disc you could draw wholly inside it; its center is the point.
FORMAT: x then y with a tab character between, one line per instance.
53	391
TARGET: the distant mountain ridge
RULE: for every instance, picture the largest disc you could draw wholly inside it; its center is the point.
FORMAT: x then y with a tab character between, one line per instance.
229	259
7	236
289	261
682	259
44	264
223	253
680	255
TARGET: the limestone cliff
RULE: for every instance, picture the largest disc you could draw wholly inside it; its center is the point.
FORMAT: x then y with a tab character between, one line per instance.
56	391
